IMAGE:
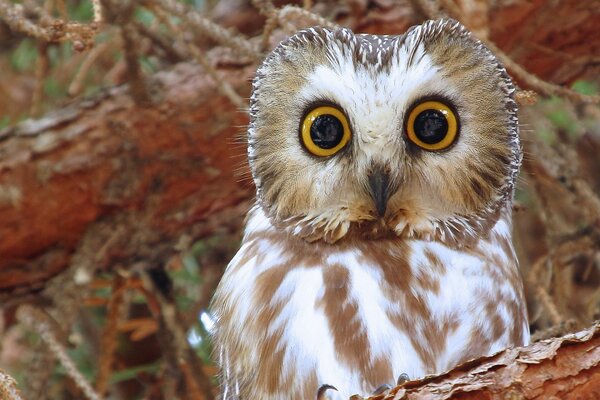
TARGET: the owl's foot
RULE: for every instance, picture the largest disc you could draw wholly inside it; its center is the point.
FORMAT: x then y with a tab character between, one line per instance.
325	392
403	378
384	389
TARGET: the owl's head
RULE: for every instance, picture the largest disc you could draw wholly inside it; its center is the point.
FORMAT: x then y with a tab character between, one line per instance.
413	135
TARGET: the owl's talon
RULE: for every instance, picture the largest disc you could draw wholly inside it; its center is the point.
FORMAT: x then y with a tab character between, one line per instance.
321	393
382	389
402	379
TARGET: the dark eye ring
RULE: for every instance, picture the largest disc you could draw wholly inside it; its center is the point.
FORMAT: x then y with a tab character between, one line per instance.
325	131
432	125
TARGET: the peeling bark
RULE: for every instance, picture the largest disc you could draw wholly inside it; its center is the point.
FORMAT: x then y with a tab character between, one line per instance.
163	168
559	41
565	368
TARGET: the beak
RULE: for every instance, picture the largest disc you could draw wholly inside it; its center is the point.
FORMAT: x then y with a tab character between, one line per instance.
379	188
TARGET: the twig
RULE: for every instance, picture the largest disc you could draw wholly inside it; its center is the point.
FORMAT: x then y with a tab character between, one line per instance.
534	278
448	6
555	330
539	85
14	16
526	97
38	321
431	8
293	16
476	12
135	76
38	373
49	29
8	387
41	71
115	309
223	86
62	9
97	11
78	80
271	23
206	27
121	13
437	9
267	9
171	52
184	352
549	305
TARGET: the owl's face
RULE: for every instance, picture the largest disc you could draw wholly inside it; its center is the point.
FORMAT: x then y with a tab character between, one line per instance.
412	135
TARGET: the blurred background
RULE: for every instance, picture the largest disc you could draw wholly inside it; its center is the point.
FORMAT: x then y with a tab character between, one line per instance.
123	179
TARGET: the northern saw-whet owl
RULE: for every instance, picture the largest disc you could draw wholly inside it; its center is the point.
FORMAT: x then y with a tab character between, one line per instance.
380	241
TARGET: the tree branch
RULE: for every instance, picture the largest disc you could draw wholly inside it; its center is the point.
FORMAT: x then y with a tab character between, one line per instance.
561	368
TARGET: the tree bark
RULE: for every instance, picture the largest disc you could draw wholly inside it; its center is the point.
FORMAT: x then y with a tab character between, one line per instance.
156	172
137	181
565	368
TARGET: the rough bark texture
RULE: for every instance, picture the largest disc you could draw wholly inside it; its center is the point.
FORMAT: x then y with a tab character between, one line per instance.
155	171
565	368
557	40
136	180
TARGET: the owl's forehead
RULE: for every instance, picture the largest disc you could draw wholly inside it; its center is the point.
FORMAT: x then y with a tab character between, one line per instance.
372	51
353	76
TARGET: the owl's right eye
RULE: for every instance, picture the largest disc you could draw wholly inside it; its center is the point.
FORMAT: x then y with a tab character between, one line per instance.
325	131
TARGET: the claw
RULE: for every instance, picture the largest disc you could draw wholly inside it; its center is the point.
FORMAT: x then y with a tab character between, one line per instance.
322	390
402	379
382	389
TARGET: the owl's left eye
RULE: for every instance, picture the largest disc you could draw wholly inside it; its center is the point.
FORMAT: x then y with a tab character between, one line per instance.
325	131
432	125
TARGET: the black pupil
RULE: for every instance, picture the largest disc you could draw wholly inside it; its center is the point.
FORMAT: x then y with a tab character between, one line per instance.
431	126
326	131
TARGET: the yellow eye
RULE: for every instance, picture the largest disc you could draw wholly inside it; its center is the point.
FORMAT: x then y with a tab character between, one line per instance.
325	131
432	125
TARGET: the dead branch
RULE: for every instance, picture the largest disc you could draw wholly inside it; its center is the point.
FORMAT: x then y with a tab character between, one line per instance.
444	8
204	26
562	368
99	156
38	321
47	29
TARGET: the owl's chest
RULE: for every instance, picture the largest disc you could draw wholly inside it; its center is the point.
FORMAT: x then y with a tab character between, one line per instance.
347	316
358	317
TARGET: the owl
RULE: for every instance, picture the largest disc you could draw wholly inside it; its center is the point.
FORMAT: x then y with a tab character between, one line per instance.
380	240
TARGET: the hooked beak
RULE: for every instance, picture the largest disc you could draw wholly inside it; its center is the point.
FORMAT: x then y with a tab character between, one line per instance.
379	188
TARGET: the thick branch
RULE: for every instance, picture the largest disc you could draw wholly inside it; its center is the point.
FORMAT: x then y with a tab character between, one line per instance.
159	169
562	368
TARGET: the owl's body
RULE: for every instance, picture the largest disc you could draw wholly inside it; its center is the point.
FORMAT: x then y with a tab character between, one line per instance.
359	313
380	243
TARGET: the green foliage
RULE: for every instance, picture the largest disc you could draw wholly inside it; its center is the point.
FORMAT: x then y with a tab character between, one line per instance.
23	57
144	16
53	88
5	121
133	372
80	10
586	87
560	116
